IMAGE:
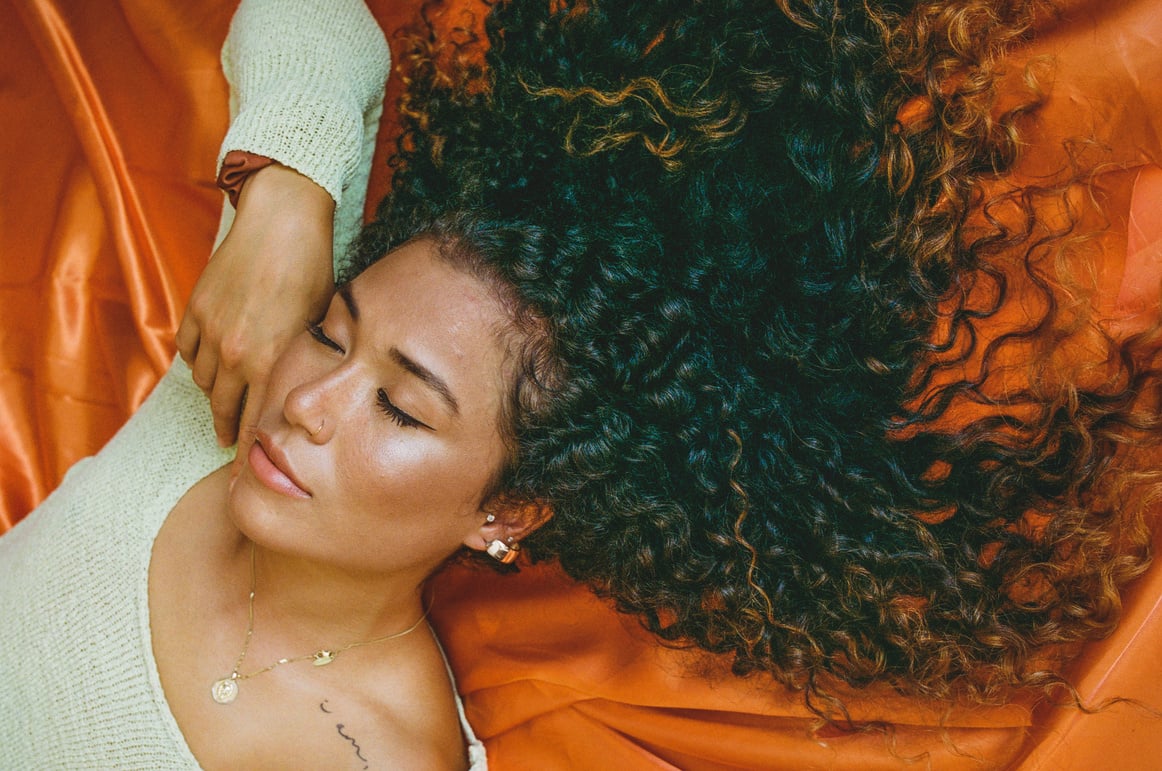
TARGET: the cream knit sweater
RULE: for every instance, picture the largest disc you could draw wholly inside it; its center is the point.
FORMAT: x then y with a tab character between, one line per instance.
79	686
78	683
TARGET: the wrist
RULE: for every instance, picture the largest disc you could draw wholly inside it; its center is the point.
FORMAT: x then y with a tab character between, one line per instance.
274	189
281	234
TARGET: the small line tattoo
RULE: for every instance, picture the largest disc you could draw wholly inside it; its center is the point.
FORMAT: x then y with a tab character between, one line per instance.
323	706
355	744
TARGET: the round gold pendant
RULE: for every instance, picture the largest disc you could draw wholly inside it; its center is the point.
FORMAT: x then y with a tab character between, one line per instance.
225	690
322	658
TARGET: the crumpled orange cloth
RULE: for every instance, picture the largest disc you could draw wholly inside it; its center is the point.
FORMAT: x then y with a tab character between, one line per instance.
107	159
113	112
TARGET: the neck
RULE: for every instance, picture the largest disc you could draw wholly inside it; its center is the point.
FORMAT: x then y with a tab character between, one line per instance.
318	601
300	602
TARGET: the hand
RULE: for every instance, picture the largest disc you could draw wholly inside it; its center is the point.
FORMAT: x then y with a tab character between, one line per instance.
270	276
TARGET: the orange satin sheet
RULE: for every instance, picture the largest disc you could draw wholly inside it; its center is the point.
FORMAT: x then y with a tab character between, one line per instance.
108	213
113	111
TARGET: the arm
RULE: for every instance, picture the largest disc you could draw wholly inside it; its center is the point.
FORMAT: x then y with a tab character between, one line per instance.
306	90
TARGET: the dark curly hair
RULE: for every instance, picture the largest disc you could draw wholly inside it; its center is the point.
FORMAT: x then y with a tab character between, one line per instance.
821	406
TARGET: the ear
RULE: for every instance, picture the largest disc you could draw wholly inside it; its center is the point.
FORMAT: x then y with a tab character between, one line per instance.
511	521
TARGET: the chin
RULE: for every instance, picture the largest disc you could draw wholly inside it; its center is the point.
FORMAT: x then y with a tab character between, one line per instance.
253	510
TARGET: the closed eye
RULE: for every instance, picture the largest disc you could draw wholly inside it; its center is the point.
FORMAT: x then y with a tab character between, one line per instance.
316	331
398	416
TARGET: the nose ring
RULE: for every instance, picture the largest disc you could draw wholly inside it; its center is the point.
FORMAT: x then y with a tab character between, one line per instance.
322	423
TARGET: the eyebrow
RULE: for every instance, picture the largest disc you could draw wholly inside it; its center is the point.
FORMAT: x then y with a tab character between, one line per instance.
429	378
344	291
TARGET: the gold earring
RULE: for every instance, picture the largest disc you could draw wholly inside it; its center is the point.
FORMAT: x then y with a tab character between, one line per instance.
504	553
322	423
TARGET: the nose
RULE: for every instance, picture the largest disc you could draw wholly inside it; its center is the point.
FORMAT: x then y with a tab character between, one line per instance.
316	404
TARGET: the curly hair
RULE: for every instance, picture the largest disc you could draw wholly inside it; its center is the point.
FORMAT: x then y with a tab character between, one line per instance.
822	406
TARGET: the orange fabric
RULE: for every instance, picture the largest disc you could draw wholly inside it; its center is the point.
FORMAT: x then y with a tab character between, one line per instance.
113	115
553	678
109	211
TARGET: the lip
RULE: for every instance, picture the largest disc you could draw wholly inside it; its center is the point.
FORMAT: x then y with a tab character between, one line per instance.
271	467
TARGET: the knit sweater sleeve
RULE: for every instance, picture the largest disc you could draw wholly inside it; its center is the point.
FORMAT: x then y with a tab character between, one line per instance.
306	89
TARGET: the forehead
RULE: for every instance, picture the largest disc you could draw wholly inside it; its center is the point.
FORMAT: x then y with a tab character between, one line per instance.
416	279
418	303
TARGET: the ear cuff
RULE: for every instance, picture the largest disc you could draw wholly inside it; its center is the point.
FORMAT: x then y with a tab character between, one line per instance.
504	553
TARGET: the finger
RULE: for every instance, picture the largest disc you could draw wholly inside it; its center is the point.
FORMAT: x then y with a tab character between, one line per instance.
248	425
187	337
205	368
226	405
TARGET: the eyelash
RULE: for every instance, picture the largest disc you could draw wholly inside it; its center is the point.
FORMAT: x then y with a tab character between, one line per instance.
397	416
316	331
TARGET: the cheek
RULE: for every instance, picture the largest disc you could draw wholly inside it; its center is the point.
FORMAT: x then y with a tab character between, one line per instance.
376	473
400	477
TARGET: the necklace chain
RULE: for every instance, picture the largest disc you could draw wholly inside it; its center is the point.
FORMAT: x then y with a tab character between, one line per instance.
225	690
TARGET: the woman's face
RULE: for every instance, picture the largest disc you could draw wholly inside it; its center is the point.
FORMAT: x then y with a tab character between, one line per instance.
379	431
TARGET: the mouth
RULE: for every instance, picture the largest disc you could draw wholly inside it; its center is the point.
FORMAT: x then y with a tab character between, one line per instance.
271	467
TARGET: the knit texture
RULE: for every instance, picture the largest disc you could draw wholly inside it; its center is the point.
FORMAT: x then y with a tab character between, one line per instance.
306	89
80	688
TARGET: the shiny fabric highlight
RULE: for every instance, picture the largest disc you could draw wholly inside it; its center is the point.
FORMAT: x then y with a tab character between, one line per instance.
108	215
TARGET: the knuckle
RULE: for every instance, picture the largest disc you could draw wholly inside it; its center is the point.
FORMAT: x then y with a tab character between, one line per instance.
186	337
232	351
199	300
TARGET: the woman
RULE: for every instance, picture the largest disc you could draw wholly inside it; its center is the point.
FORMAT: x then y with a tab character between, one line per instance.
172	619
654	155
863	405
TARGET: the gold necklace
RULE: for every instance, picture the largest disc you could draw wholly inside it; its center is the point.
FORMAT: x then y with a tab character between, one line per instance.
225	690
